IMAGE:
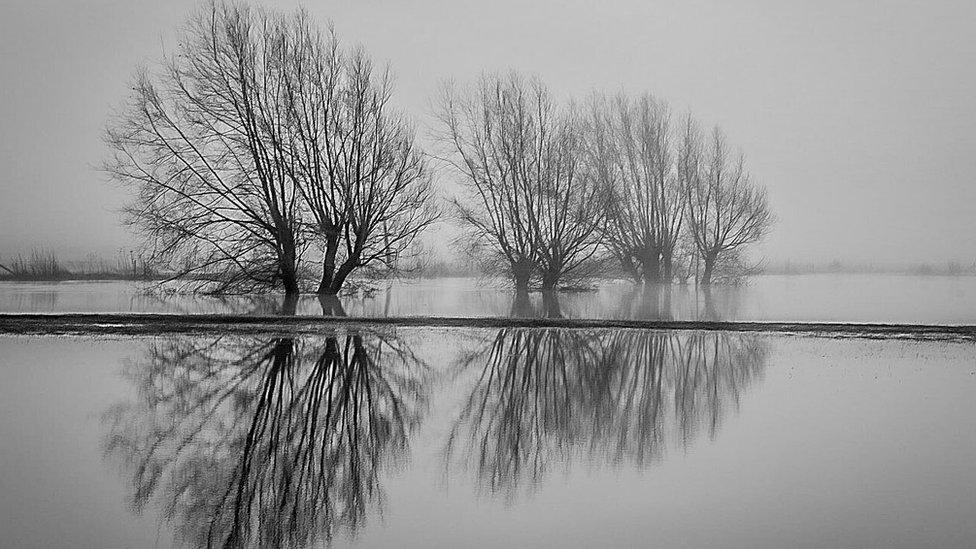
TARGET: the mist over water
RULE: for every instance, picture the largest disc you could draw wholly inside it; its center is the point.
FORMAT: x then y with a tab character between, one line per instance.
779	298
376	274
429	437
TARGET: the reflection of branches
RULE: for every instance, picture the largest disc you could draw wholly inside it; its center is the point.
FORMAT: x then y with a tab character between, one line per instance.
647	302
667	384
548	396
667	302
523	405
276	442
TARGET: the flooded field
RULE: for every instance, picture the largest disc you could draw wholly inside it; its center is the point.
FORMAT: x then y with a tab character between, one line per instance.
812	298
374	433
420	437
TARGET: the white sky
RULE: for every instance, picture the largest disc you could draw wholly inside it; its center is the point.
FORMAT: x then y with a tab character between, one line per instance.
860	117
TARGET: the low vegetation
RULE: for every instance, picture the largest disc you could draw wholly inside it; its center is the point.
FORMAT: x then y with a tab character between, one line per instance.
42	265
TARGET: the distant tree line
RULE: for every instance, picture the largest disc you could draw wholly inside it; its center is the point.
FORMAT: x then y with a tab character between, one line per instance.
265	155
45	265
948	268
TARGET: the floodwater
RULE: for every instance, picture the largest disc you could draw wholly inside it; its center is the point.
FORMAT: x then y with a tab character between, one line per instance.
422	437
812	298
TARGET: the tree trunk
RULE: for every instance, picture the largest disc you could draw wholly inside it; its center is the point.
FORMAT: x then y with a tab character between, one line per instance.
665	302
521	275
667	256
291	283
288	266
333	278
627	264
326	281
706	277
328	266
550	299
340	277
521	305
550	304
289	305
711	313
331	306
550	281
289	278
648	305
651	265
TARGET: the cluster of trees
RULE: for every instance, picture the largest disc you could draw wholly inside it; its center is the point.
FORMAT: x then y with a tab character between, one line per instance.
262	141
529	203
265	155
554	190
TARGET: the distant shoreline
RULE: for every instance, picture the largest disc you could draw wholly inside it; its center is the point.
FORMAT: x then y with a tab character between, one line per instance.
41	265
98	277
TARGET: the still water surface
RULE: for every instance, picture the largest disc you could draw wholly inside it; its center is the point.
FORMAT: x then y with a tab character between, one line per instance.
419	437
826	298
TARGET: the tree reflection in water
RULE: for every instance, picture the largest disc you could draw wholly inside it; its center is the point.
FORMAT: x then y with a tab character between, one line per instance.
669	302
277	442
546	397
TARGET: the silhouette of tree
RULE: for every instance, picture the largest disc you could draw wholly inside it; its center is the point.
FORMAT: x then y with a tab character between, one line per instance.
529	201
366	184
261	138
635	158
200	143
726	211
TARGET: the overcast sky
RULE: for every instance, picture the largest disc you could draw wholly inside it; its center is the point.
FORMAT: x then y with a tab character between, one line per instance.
860	117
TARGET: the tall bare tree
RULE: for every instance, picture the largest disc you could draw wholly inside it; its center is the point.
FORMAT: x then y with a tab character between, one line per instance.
366	183
635	157
572	206
528	198
726	211
260	139
200	144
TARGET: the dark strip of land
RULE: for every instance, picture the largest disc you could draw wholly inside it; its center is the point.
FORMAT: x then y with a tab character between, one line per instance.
153	324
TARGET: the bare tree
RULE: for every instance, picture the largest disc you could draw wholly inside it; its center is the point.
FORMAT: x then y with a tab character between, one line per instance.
200	145
726	211
635	158
528	198
366	184
261	138
572	207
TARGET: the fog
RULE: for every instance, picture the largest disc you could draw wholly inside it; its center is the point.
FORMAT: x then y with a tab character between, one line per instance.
858	119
